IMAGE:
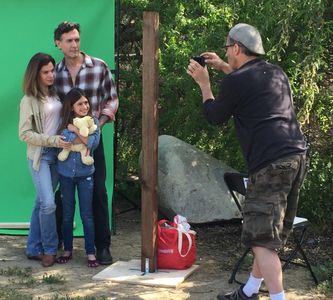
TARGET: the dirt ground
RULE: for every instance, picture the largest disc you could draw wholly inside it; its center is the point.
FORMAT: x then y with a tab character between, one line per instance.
217	247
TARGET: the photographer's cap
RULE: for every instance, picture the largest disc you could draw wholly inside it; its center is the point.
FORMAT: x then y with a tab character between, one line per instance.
248	36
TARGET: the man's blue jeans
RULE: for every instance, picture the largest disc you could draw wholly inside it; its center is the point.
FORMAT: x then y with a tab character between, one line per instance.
43	237
85	193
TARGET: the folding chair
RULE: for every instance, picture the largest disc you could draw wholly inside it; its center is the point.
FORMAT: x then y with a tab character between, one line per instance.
237	183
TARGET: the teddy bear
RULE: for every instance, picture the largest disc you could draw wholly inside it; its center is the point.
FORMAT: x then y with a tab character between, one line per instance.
86	127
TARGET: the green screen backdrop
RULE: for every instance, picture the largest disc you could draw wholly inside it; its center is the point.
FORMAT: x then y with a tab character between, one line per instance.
27	28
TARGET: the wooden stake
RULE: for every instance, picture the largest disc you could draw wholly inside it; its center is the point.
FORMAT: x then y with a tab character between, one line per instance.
150	79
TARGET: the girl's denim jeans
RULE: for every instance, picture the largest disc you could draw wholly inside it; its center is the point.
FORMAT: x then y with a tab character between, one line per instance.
84	187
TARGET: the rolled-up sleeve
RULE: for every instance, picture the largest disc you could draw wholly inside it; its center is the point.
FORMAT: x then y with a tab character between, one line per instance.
111	101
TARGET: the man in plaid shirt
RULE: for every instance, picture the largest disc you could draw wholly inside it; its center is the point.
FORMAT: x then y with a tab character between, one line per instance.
93	76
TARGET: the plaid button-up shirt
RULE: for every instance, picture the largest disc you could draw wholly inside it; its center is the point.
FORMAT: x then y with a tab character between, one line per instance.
95	79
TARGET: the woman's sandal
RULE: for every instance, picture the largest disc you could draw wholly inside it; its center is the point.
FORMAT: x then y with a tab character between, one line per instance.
92	263
64	259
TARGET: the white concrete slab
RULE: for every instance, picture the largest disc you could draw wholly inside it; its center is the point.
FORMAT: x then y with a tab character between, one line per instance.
130	272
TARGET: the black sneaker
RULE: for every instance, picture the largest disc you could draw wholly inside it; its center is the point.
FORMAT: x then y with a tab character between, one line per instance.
237	295
104	256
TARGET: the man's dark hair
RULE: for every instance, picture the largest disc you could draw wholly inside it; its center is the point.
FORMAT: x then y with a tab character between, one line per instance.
65	27
245	50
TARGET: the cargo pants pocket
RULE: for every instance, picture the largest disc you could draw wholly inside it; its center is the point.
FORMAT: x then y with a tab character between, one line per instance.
257	223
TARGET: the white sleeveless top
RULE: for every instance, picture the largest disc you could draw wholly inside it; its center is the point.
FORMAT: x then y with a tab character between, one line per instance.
52	107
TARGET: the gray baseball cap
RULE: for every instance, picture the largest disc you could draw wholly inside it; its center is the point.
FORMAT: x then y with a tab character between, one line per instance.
248	36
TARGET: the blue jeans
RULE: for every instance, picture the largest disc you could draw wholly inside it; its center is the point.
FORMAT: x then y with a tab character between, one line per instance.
85	192
43	237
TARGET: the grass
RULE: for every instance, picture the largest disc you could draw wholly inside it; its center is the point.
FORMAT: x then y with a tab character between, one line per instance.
325	276
9	293
16	271
75	298
53	279
19	278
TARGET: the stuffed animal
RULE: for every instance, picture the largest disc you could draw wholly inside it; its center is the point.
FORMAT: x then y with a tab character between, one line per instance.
86	127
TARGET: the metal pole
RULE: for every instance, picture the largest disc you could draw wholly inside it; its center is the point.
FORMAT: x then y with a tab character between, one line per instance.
115	140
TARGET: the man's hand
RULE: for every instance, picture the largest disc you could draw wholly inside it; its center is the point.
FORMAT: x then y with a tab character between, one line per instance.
213	60
198	73
201	76
102	120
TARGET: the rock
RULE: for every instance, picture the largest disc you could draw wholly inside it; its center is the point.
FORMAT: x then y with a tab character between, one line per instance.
191	184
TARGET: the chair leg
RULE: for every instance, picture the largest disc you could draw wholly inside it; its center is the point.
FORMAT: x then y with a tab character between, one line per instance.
298	242
232	278
309	266
298	248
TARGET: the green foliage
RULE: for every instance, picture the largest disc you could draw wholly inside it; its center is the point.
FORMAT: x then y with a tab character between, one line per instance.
317	191
325	276
297	35
53	279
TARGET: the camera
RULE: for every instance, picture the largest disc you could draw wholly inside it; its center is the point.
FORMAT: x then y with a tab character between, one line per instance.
200	60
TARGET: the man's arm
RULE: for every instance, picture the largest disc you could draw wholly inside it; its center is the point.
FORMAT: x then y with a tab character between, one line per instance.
215	111
110	102
212	59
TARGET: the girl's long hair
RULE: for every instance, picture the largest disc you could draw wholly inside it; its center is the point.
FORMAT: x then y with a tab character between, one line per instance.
31	81
67	113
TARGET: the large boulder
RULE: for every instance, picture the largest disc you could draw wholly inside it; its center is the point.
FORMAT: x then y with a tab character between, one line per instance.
191	184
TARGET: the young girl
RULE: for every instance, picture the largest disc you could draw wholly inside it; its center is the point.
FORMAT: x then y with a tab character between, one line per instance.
39	121
74	174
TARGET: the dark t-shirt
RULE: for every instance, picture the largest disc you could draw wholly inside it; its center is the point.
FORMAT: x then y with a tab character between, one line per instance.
258	96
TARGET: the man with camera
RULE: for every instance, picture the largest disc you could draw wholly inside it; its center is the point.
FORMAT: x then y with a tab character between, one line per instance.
258	96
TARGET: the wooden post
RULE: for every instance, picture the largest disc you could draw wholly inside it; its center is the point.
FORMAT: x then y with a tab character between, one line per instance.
150	78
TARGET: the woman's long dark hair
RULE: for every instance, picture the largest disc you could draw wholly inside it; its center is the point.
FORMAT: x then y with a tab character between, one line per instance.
31	81
67	113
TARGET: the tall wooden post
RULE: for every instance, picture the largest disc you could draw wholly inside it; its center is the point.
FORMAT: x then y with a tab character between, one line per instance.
149	170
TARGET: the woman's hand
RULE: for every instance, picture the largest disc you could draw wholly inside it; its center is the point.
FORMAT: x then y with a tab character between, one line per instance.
63	144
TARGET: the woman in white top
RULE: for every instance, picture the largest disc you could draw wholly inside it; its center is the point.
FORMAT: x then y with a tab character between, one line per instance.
39	121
